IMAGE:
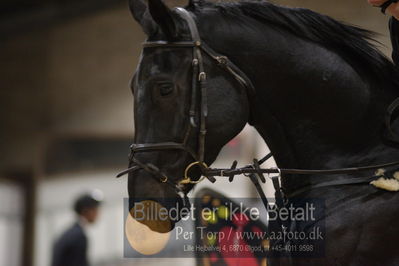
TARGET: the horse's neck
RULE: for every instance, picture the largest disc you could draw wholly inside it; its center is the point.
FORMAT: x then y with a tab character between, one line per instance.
314	110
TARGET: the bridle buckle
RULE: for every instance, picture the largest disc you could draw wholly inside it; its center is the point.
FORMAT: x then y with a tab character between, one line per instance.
202	76
222	60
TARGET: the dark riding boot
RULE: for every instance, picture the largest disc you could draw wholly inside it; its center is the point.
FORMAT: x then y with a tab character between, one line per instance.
394	28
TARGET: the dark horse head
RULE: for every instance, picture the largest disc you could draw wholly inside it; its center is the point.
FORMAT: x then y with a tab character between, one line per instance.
321	95
172	114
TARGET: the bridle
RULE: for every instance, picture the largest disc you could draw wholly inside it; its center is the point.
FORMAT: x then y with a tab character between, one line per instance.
199	85
253	171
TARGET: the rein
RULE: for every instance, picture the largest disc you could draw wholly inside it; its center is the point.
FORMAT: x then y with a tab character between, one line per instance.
253	171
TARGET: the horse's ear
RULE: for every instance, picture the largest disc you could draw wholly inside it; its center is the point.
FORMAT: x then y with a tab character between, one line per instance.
142	15
164	17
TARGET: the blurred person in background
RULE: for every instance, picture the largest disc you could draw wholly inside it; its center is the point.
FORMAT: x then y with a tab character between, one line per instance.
391	7
71	248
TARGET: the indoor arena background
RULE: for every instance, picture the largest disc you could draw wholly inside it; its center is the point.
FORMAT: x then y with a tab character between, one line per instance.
67	119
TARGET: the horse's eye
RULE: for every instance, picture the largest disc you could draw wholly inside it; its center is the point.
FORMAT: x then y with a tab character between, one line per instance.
165	89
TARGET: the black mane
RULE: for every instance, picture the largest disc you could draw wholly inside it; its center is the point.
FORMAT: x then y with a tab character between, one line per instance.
353	44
